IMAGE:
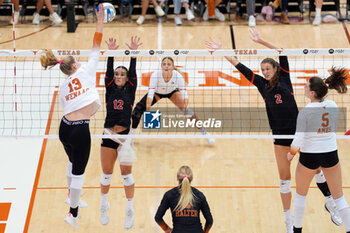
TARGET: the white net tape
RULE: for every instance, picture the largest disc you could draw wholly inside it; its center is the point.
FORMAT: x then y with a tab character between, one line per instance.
217	91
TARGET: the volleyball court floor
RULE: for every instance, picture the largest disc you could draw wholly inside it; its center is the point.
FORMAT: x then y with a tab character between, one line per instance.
238	176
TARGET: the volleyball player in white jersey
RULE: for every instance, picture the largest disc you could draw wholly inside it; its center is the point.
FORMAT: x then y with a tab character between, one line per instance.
166	83
315	138
79	100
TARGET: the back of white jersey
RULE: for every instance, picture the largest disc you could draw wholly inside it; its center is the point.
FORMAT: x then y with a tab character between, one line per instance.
79	89
316	127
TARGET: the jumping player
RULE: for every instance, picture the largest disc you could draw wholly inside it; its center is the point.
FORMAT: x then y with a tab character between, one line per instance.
79	100
282	111
121	85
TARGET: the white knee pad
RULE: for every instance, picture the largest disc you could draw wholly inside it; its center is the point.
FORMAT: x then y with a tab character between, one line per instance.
128	180
106	179
285	186
77	182
341	203
69	169
319	178
126	153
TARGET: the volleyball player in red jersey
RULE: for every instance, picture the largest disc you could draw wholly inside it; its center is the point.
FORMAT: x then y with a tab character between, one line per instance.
121	84
277	91
79	100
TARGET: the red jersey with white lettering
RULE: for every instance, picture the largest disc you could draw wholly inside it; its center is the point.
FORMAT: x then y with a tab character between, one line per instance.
79	89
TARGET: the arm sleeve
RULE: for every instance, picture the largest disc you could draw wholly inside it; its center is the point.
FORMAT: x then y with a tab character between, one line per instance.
132	72
152	85
207	215
301	129
256	80
182	86
97	40
164	205
110	72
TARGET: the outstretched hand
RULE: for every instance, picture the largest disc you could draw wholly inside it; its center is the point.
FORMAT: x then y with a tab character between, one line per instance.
255	35
112	44
212	44
134	43
100	14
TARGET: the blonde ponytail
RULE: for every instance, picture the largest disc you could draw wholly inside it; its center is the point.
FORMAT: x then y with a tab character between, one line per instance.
48	59
182	73
187	197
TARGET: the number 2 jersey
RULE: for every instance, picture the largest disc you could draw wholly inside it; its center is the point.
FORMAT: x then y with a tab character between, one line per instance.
120	100
281	108
79	89
316	127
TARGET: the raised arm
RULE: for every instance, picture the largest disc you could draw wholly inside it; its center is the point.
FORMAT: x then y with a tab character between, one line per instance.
216	45
134	45
248	73
99	26
112	45
256	37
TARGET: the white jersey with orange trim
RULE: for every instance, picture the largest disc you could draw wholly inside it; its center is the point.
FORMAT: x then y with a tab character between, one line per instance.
158	85
79	89
316	127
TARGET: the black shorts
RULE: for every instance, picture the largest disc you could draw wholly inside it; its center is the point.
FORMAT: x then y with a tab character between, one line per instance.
161	96
76	140
281	141
316	160
106	142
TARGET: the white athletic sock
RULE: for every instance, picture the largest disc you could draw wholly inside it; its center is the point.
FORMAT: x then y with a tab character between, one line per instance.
69	174
344	211
287	214
129	203
299	210
329	199
345	216
74	197
104	199
318	12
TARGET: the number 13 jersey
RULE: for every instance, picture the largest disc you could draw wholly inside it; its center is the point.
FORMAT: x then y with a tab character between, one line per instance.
79	89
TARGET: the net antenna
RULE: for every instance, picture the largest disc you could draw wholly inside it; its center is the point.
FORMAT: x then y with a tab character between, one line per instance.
14	65
232	37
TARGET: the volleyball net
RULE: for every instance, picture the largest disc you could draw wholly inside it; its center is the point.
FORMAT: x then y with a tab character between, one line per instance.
226	104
